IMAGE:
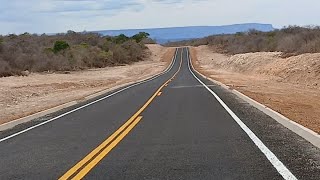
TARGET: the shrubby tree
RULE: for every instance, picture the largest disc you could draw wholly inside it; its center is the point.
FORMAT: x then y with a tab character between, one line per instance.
59	46
70	32
120	39
140	36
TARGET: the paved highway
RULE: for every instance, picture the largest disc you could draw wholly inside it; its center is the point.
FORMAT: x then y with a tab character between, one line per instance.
176	125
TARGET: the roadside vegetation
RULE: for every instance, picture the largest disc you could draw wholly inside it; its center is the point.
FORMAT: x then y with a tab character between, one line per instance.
292	40
25	53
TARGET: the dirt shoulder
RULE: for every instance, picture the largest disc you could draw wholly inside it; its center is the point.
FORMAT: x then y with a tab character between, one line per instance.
290	86
22	96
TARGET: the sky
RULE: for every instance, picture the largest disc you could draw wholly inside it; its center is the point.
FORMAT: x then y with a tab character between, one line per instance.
52	16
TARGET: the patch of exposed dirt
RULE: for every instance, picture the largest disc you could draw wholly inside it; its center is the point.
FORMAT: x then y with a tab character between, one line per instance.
290	86
22	96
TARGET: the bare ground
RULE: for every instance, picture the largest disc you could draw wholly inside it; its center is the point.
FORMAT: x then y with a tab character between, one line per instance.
22	96
290	86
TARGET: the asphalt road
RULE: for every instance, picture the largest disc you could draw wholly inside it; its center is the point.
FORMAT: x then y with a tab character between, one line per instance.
173	126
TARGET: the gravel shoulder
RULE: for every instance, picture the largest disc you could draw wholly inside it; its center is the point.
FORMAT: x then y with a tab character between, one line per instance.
23	96
290	86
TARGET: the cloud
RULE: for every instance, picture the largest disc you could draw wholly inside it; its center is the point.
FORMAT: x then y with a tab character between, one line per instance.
35	16
93	5
168	1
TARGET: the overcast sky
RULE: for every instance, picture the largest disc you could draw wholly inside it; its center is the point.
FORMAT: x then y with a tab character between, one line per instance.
47	16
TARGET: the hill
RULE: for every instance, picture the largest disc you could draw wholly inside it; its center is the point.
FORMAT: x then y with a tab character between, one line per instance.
164	35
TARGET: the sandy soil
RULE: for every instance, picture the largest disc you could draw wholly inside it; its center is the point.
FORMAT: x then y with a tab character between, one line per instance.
22	96
290	86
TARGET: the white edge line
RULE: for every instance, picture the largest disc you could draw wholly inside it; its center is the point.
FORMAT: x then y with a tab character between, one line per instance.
263	107
93	102
280	167
304	132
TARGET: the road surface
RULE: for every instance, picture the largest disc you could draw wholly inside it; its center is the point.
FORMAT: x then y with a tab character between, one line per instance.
176	125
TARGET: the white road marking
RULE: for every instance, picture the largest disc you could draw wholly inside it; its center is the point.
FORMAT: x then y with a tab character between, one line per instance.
196	86
93	102
280	167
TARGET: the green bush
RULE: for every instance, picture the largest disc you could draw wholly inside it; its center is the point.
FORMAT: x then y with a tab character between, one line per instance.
141	36
120	39
59	46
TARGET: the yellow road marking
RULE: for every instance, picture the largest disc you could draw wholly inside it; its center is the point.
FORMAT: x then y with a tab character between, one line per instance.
159	94
95	151
94	162
103	149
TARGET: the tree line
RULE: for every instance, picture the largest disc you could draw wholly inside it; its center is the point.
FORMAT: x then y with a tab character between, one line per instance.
68	51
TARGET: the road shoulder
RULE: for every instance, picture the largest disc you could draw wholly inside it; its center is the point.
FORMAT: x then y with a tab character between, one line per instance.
293	150
42	106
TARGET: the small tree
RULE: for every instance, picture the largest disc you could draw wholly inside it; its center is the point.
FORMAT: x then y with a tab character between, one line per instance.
70	32
59	46
120	39
26	34
140	36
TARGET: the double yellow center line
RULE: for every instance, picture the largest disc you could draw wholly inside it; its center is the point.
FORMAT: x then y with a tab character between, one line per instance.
84	166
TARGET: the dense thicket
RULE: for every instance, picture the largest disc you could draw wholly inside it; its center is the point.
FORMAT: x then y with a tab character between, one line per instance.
290	40
67	52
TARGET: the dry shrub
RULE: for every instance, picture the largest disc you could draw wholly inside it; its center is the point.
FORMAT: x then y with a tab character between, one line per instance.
290	40
38	53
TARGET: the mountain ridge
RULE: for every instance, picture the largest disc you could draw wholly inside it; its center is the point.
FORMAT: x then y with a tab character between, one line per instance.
163	35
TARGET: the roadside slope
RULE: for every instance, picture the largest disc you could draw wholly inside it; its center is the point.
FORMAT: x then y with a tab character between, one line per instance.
289	86
22	96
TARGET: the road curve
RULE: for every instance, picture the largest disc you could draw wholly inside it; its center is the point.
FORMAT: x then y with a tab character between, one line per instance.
173	126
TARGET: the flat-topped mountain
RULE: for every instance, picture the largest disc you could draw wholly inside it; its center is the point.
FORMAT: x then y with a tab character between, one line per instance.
163	35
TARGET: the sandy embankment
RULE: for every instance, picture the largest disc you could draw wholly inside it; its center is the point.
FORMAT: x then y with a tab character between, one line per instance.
290	86
22	96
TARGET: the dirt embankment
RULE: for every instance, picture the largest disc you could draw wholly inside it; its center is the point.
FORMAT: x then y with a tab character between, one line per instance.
290	86
22	96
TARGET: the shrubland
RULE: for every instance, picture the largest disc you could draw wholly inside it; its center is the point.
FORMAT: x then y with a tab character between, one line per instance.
24	53
292	40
